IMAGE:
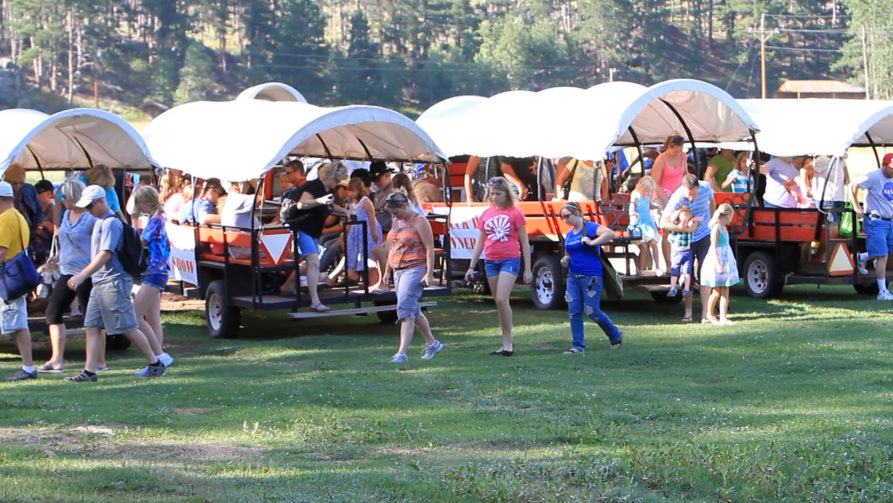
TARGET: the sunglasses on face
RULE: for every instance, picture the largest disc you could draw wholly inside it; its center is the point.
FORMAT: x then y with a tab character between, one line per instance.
565	216
92	204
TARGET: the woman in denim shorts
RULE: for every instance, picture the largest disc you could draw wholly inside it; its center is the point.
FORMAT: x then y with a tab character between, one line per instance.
411	257
147	302
503	239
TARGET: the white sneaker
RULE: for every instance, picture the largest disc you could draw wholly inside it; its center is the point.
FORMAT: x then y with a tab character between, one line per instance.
433	349
860	265
885	295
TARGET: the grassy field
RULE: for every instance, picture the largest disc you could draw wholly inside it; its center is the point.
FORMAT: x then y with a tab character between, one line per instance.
792	404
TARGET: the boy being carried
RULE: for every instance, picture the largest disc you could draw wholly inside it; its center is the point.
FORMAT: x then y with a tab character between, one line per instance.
682	254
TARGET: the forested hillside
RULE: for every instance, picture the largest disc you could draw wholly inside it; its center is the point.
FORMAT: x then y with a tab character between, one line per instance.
409	54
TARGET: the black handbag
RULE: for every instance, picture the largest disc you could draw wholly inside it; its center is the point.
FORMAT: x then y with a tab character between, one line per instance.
19	276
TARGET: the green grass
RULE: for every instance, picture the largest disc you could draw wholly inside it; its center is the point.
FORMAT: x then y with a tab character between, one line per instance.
792	404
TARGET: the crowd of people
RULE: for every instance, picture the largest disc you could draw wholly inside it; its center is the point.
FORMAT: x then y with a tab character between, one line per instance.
77	231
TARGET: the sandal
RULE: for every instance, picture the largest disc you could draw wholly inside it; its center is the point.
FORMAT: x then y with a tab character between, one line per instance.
617	345
686	319
573	351
46	368
502	352
320	308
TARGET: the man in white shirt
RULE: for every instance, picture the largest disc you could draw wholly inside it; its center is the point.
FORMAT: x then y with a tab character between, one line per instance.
878	224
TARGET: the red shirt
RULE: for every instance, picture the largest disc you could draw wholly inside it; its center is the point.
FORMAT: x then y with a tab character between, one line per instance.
501	228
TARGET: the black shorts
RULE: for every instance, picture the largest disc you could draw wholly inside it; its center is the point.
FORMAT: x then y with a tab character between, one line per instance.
62	296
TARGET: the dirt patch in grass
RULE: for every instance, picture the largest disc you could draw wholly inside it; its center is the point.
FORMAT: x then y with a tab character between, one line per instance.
211	452
191	411
171	302
99	441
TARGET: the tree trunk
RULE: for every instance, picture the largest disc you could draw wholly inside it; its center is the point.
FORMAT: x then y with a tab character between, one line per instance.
54	68
710	22
70	22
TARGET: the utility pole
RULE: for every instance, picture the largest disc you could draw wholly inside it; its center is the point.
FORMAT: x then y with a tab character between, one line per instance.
763	36
865	64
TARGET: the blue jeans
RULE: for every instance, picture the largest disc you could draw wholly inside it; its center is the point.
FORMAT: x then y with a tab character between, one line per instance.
584	295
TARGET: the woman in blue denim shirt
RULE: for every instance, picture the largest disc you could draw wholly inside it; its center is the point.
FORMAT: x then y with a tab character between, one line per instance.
584	278
147	302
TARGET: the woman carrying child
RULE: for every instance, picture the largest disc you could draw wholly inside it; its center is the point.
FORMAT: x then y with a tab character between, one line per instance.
720	270
584	278
503	239
640	205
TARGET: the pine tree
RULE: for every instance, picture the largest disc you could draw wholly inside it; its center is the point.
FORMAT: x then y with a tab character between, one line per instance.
300	55
196	76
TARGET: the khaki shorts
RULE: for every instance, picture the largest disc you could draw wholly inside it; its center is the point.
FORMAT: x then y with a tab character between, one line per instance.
110	307
13	315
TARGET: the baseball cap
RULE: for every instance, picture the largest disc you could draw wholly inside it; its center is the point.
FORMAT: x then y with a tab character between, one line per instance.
378	168
89	195
888	158
6	190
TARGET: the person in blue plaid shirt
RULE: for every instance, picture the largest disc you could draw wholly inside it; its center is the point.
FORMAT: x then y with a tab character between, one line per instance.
682	255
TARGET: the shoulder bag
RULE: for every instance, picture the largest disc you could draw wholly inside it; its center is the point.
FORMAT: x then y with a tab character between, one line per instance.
19	275
611	281
849	223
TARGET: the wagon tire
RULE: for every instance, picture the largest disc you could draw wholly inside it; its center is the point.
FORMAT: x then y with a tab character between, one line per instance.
866	289
222	319
386	317
548	283
117	342
761	277
660	297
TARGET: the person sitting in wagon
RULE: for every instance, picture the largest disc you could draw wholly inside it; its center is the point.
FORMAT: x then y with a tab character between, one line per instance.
577	180
203	210
781	183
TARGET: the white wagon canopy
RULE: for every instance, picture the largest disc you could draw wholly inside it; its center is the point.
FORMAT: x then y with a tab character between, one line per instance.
272	91
820	126
241	140
76	138
585	123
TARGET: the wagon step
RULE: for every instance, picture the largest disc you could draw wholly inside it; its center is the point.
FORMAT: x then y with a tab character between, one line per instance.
355	310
